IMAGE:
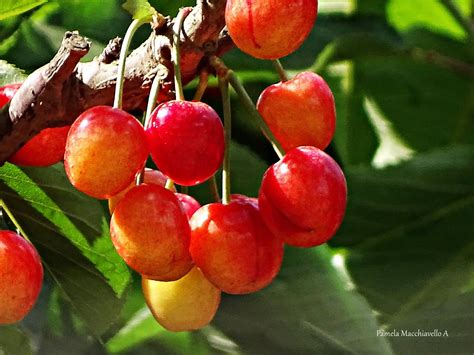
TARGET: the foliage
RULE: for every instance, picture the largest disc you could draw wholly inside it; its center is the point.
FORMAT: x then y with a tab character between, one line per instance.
402	72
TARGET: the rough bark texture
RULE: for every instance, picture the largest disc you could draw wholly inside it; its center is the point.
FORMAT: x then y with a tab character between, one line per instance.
57	93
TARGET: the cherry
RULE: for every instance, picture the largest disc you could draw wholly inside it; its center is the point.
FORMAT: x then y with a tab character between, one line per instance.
150	231
186	141
303	197
300	111
190	205
189	303
105	149
44	149
21	277
270	29
151	177
233	247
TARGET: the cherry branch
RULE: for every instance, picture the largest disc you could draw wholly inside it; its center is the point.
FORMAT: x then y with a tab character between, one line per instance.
55	94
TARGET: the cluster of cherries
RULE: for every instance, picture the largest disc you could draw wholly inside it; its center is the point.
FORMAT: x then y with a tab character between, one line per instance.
188	254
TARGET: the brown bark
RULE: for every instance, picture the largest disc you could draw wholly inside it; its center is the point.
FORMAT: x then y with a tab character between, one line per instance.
55	94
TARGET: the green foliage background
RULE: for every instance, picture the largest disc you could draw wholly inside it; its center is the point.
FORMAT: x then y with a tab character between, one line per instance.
402	72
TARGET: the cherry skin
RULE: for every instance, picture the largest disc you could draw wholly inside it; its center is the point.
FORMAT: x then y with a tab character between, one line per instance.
105	149
303	197
190	205
150	231
300	111
270	29
151	177
44	149
233	247
21	277
186	141
189	303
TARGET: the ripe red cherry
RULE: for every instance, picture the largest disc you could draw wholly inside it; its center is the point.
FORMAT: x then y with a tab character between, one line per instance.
21	277
44	149
186	141
270	29
150	231
300	111
190	205
303	197
233	247
105	149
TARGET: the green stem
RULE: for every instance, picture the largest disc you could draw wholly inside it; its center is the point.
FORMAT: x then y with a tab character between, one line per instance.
250	107
123	57
10	215
214	189
154	92
224	87
202	85
184	190
176	56
280	70
169	184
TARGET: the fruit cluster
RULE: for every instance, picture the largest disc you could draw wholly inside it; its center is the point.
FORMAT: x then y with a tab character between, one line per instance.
188	254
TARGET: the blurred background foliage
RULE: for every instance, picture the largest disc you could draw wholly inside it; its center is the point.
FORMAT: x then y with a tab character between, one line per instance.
402	72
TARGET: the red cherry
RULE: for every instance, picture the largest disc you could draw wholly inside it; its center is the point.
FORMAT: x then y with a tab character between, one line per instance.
105	149
190	205
151	233
300	111
44	149
233	247
186	141
303	197
21	277
270	29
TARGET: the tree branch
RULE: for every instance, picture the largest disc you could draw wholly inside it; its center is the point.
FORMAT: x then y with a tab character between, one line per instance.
57	93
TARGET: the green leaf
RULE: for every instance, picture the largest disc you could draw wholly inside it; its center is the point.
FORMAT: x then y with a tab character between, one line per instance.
412	254
13	341
140	9
71	233
16	7
10	74
310	308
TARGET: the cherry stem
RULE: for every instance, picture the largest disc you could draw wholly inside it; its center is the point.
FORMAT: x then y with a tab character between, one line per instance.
176	56
123	57
12	218
169	184
280	70
154	92
214	189
224	87
184	190
202	85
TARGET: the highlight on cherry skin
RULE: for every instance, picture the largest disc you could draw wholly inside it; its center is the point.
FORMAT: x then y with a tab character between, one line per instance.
186	141
187	304
44	149
21	277
303	197
270	29
150	230
300	111
105	149
233	247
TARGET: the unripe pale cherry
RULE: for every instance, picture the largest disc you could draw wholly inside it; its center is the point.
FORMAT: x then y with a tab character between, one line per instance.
44	149
233	247
105	149
186	141
21	277
300	111
150	231
270	29
303	197
189	303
